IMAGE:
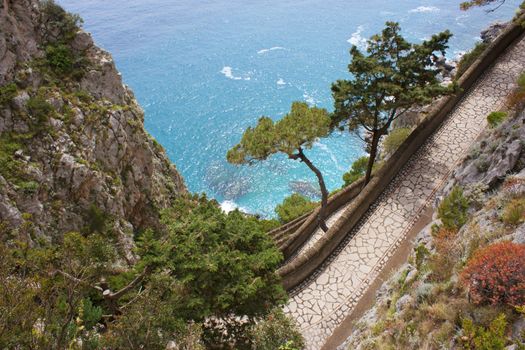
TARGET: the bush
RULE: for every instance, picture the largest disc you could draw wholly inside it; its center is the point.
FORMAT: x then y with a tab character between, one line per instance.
395	138
294	206
514	212
357	171
97	219
469	58
453	209
57	20
7	93
517	98
277	331
480	338
496	274
60	59
40	109
495	118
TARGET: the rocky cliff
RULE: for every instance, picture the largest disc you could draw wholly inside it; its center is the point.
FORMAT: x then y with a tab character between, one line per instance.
74	155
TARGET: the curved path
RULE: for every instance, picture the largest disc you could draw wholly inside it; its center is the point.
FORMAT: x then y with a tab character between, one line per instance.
322	302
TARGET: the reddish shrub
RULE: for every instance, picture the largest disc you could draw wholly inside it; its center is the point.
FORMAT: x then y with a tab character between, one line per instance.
496	274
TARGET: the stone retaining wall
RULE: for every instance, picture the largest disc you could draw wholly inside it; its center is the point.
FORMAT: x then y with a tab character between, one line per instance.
300	268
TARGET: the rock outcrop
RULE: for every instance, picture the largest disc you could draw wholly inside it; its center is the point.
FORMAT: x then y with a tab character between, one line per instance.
73	149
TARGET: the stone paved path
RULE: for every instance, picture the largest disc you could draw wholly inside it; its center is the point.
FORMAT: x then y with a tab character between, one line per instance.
321	303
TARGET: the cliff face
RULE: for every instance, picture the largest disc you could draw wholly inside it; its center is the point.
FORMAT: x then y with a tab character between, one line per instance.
73	150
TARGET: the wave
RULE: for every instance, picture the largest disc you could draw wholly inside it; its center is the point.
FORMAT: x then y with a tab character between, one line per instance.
228	73
357	40
424	9
228	206
309	98
326	149
263	51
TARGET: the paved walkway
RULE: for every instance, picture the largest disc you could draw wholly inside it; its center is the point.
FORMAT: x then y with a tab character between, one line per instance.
321	303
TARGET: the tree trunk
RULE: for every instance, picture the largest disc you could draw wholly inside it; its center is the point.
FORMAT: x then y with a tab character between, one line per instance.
373	154
324	192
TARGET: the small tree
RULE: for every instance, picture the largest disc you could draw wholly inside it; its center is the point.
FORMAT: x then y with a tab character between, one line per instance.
392	78
297	131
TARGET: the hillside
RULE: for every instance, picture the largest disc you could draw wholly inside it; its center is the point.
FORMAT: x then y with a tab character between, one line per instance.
73	147
463	286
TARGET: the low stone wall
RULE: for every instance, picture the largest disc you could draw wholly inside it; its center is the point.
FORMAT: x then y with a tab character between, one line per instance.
292	235
300	268
310	225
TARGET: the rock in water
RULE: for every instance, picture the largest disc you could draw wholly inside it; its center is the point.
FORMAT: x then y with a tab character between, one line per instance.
488	35
306	189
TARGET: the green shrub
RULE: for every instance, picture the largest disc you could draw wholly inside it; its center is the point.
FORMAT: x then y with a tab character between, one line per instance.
28	186
514	211
10	167
357	171
60	58
395	138
56	18
7	93
481	338
97	219
40	109
294	206
495	118
469	58
453	209
276	332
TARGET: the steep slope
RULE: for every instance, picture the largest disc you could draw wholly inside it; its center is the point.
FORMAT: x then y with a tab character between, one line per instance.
430	303
74	155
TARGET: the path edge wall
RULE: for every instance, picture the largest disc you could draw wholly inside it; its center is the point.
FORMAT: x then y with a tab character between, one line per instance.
299	269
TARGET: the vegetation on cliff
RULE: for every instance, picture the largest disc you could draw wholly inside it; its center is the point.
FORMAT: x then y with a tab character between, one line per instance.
100	244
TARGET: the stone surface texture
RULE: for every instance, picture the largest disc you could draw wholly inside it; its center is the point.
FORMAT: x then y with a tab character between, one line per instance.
90	153
323	301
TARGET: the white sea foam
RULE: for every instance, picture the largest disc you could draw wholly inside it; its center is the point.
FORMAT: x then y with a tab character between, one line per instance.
424	9
228	73
263	51
228	206
309	98
281	81
357	40
331	154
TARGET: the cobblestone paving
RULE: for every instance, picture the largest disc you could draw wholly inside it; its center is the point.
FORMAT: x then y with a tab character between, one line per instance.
321	303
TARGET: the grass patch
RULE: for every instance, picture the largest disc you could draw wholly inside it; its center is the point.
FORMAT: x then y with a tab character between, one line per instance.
496	118
514	212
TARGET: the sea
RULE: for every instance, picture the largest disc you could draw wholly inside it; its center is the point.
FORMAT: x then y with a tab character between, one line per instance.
205	70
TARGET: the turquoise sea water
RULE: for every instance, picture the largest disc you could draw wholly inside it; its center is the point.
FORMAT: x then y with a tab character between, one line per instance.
204	70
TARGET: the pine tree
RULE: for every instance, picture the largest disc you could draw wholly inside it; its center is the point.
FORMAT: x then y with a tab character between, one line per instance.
393	77
297	131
